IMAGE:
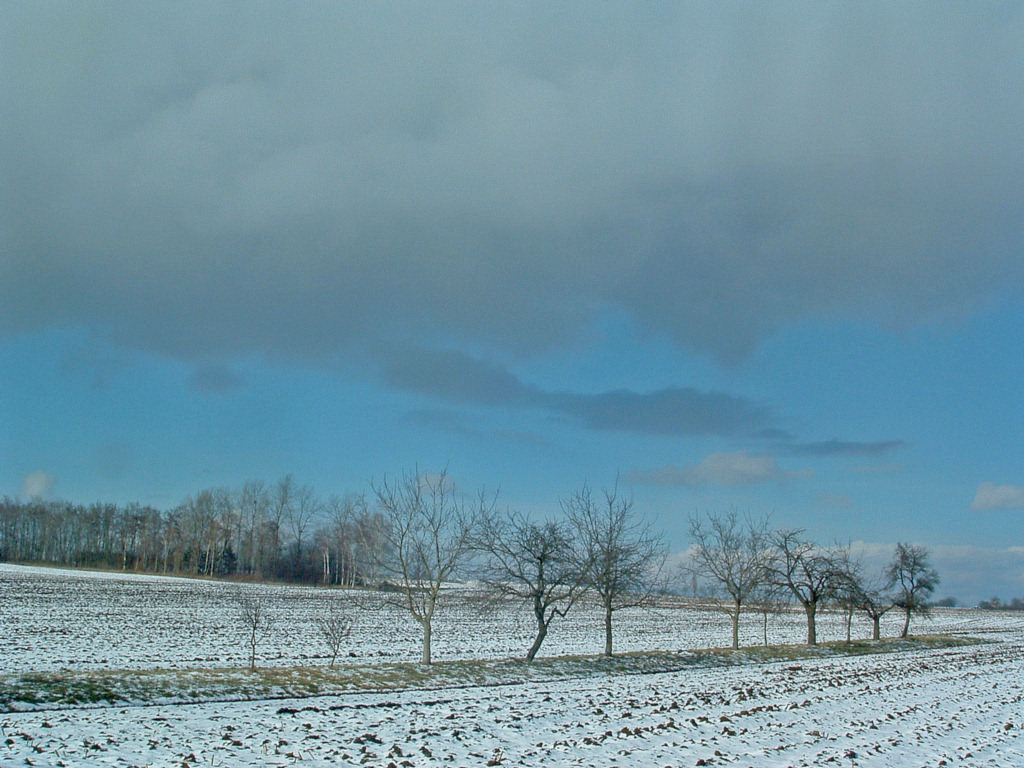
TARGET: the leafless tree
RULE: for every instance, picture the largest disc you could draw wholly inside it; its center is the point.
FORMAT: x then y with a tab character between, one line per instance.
807	571
914	579
734	553
253	501
304	507
335	628
254	617
337	538
874	601
769	599
624	557
279	509
537	563
847	586
428	533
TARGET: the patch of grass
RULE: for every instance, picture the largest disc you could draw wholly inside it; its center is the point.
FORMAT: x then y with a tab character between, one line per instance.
54	690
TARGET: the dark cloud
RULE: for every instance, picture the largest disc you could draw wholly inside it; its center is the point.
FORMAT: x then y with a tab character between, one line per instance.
212	377
459	423
204	179
674	411
847	448
97	360
722	469
460	378
113	460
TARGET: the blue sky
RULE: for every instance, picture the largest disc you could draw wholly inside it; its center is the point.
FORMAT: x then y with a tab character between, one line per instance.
765	257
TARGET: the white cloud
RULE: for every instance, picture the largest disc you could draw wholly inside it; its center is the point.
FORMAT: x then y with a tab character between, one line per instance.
738	468
992	496
37	485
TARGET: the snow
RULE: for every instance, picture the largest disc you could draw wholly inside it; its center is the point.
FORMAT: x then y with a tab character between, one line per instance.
945	706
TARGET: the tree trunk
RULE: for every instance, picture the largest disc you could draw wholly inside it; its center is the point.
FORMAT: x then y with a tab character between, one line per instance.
736	624
542	627
906	623
542	631
812	632
426	641
607	630
849	621
876	632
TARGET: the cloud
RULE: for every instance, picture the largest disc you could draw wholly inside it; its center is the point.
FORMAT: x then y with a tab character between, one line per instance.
672	411
113	460
459	423
991	496
302	182
878	469
37	485
833	501
457	377
213	377
729	469
90	356
847	448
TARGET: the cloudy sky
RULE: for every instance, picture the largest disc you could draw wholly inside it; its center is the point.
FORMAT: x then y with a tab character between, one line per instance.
764	257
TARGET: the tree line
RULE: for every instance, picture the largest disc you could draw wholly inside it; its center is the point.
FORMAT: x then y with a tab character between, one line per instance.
417	534
747	562
262	531
995	604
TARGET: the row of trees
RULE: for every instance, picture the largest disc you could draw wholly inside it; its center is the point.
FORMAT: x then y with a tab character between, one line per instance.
418	534
431	533
748	562
599	546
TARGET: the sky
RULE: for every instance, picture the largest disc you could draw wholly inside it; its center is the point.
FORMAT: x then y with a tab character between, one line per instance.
765	257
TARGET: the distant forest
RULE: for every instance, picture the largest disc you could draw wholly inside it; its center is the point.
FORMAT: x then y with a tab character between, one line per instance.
281	531
995	604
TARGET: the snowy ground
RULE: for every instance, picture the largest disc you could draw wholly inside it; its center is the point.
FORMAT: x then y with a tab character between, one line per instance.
953	706
53	619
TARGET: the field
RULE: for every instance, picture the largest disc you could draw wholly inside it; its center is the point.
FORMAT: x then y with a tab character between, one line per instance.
923	703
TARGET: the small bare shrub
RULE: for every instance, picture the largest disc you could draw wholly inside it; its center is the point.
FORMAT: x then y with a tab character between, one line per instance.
255	618
335	628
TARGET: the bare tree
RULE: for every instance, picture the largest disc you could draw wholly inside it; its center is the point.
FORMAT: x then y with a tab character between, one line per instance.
335	628
537	563
254	617
875	602
847	588
914	580
769	600
304	506
734	553
623	556
807	571
340	537
279	509
428	534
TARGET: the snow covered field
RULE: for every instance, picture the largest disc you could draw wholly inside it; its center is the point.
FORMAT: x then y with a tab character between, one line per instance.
52	619
949	706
